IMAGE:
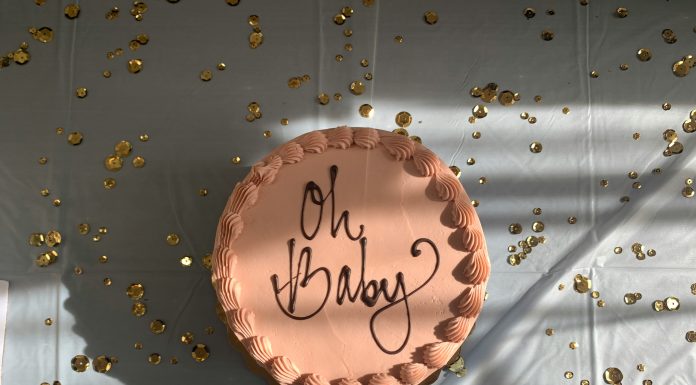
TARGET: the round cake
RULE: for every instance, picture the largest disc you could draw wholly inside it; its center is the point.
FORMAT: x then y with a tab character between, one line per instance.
350	256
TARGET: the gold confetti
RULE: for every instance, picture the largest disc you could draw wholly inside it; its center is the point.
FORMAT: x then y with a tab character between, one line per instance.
613	376
172	239
75	138
107	281
568	375
323	99
109	183
671	303
154	359
37	239
71	11
547	35
691	336
113	162
366	111
235	160
138	309
53	238
582	284
573	345
135	66
621	12
48	322
138	162
83	228
339	19
79	363
206	75
535	147
403	119
549	332
135	291
431	17
186	261
187	338
81	92
456	171
357	87
644	54
479	111
157	326
101	364
200	352
515	228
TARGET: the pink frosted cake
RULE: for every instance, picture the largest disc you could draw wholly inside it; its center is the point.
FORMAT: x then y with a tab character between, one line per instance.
350	256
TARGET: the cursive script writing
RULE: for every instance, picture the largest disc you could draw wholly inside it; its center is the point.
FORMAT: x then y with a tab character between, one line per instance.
367	291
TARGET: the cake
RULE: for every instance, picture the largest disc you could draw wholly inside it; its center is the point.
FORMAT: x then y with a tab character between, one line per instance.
350	256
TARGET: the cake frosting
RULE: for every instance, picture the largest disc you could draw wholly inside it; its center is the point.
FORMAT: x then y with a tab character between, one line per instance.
350	256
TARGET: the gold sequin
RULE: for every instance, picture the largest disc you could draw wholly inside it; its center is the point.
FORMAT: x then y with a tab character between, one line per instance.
366	111
515	228
549	332
101	364
672	303
658	305
157	326
37	239
172	239
206	75
479	111
109	183
200	352
187	338
56	202
235	160
154	359
284	121
568	375
644	54
81	92
138	162
430	17
582	284
79	363
398	39
107	281
691	336
138	309
403	119
71	11
535	147
135	291
547	35
613	376
113	162
621	12
186	261
53	238
573	345
135	66
688	192
623	67
506	98
144	137
357	87
594	74
48	322
456	171
323	99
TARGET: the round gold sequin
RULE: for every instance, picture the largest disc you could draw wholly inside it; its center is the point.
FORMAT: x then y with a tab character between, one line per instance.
585	382
618	250
547	35
347	32
658	305
158	326
572	220
138	309
43	34
284	121
691	336
680	68
81	92
37	239
154	358
107	281
172	239
471	161
71	11
688	192
79	363
113	163
357	87
549	332
479	111
689	126
641	367
515	228
83	228
623	67
582	284
323	99
573	345
430	17
144	137
594	294
398	39
644	54
109	183
601	303
594	74
403	119
187	338
235	160
337	96
138	162
506	98
56	202
568	375
535	147
186	261
339	58
456	171
123	148
255	39
630	298
529	13
672	303
45	192
53	238
666	106
232	2
613	376
48	322
339	19
101	364
135	291
476	135
135	66
621	12
267	134
366	111
200	352
206	75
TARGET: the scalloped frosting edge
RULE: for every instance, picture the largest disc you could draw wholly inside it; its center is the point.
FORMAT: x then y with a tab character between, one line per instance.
448	187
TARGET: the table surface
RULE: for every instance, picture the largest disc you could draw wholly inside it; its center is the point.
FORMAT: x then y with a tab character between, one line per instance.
613	125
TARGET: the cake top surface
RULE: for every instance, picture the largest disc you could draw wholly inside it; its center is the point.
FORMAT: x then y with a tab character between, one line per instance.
350	255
